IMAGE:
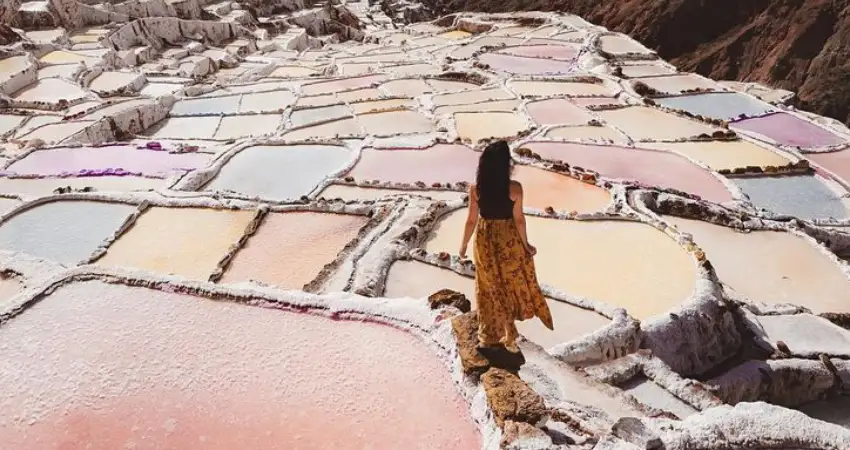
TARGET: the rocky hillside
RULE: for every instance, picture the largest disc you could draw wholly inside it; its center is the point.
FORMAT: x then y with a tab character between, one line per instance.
799	45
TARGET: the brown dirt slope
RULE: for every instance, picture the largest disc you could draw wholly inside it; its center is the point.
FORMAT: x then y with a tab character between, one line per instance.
799	45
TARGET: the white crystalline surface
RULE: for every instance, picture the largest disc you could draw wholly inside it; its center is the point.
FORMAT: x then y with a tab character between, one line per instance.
96	365
371	125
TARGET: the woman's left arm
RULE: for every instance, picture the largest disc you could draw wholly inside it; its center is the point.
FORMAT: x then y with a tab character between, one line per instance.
471	220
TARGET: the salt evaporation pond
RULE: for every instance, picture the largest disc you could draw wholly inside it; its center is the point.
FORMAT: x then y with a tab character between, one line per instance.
289	250
120	378
771	266
542	189
110	159
442	163
67	232
45	186
836	162
558	111
719	105
786	129
182	241
678	83
474	126
641	122
347	193
416	280
656	168
280	172
525	66
653	273
803	196
729	155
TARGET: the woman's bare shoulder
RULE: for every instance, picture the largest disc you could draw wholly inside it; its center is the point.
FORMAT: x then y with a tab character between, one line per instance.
516	186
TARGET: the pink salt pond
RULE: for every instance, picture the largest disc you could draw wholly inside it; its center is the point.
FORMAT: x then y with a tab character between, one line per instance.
656	168
786	129
558	52
442	163
111	160
150	370
558	111
525	66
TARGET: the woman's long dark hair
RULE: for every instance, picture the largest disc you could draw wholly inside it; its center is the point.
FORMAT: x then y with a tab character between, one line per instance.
494	175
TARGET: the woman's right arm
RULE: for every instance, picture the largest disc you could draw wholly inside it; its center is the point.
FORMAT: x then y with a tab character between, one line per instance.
519	217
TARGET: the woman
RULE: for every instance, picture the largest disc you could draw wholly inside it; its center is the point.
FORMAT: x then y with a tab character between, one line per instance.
506	287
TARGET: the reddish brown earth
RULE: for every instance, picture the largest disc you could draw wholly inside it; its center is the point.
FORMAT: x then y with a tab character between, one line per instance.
799	45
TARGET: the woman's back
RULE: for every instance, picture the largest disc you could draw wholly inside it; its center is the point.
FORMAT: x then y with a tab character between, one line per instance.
497	205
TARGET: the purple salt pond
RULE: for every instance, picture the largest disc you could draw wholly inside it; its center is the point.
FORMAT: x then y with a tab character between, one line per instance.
106	161
789	130
525	66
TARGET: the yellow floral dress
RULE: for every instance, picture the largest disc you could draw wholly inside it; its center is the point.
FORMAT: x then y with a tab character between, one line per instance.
506	287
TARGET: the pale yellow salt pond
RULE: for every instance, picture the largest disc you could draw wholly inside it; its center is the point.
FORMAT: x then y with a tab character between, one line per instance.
407	87
233	127
357	193
550	88
12	65
365	107
50	90
771	266
728	155
620	44
336	128
543	188
111	81
640	122
57	132
455	34
64	57
182	241
45	186
626	264
418	280
292	72
475	126
587	132
395	122
289	250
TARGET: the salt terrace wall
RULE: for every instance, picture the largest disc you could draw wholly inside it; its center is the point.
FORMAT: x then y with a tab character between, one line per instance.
561	90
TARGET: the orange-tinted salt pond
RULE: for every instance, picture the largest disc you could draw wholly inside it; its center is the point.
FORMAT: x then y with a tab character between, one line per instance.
418	280
474	126
46	186
653	273
290	249
558	111
148	370
543	188
442	163
181	241
67	232
771	266
280	172
657	168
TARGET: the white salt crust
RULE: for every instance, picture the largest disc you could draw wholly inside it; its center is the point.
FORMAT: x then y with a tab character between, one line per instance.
363	268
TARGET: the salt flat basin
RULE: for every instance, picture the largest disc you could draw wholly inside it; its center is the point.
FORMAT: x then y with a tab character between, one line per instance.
675	84
307	116
836	162
260	102
619	44
556	52
372	106
35	122
280	172
395	122
442	163
802	196
12	65
185	128
234	127
120	377
651	394
182	241
728	155
588	132
356	193
65	57
771	266
57	161
786	129
525	66
46	186
558	111
9	287
407	87
471	96
542	188
67	232
206	106
57	132
9	123
651	167
342	84
111	81
467	50
719	105
292	72
419	280
641	122
498	105
290	249
443	85
645	70
334	129
7	204
547	88
474	126
50	90
155	90
654	274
